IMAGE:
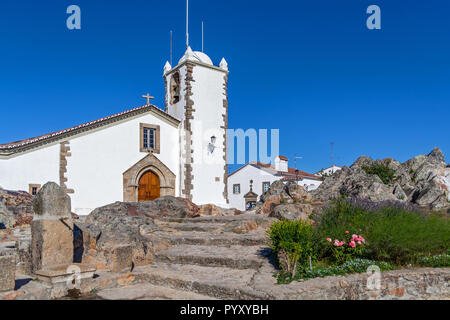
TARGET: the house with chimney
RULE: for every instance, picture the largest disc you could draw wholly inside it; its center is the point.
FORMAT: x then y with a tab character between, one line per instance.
253	179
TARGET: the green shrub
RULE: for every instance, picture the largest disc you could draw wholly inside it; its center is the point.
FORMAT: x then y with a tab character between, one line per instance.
439	261
386	174
393	234
291	242
349	267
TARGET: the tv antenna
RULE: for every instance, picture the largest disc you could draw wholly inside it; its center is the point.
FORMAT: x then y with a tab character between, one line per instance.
202	37
171	47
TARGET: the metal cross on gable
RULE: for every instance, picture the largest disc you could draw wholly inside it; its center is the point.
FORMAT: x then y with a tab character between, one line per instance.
148	97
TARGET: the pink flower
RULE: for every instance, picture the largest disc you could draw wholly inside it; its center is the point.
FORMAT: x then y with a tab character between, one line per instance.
338	243
347	232
355	236
329	239
359	242
352	244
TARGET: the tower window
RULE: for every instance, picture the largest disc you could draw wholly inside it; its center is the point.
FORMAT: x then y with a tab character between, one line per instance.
236	188
175	88
149	138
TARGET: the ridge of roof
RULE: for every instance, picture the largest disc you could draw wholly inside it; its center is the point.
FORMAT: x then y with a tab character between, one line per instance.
10	147
290	174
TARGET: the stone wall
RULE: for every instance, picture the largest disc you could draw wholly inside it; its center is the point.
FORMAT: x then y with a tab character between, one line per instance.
7	272
414	284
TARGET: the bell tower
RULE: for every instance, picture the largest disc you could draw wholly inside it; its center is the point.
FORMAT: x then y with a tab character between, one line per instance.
196	93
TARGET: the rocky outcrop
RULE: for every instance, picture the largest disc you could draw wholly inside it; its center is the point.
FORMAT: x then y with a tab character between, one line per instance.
286	202
162	207
118	236
291	212
16	208
213	210
423	180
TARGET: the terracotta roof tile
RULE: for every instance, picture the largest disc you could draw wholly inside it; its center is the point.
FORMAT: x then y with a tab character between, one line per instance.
29	141
290	174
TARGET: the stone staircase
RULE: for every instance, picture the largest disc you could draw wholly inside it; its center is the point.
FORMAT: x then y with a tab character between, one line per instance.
210	258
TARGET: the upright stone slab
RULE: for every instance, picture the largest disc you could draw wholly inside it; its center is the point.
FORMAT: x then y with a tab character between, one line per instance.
52	228
7	272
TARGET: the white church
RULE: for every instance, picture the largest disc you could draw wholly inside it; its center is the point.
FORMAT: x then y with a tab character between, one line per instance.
139	154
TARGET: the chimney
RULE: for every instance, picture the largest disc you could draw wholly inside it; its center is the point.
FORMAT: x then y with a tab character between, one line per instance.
281	164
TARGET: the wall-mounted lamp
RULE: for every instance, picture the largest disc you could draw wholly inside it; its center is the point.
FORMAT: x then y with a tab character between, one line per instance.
211	145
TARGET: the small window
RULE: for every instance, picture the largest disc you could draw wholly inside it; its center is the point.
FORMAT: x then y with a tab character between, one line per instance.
236	189
266	186
34	189
149	138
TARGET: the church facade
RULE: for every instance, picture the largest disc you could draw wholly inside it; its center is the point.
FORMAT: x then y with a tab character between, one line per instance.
139	154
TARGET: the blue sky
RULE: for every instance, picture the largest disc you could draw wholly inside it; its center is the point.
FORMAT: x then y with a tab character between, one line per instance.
309	68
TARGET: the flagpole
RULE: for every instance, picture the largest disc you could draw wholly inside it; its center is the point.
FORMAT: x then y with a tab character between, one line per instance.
187	23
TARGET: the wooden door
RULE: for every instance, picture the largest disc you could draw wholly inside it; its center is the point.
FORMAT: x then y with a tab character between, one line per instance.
149	187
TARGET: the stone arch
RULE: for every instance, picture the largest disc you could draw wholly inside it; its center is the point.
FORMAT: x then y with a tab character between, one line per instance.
132	176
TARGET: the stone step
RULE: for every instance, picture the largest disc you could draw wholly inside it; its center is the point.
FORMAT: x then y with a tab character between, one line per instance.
147	291
189	226
237	257
212	239
217	282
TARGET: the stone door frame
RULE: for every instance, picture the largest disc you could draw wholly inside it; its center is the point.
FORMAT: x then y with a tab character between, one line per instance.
151	163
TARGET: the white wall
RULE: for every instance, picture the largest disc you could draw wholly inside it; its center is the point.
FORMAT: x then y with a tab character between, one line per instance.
309	184
37	167
281	164
99	159
243	178
329	171
208	95
95	169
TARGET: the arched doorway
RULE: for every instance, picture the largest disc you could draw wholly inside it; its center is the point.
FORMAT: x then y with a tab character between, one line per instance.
149	187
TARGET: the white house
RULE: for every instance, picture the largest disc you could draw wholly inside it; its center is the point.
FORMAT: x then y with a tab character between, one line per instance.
139	154
262	176
328	171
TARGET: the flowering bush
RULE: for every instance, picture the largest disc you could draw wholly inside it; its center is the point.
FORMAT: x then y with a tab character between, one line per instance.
347	249
438	261
395	233
349	267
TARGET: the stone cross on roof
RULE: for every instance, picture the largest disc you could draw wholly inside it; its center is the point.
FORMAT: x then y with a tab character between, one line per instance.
148	97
